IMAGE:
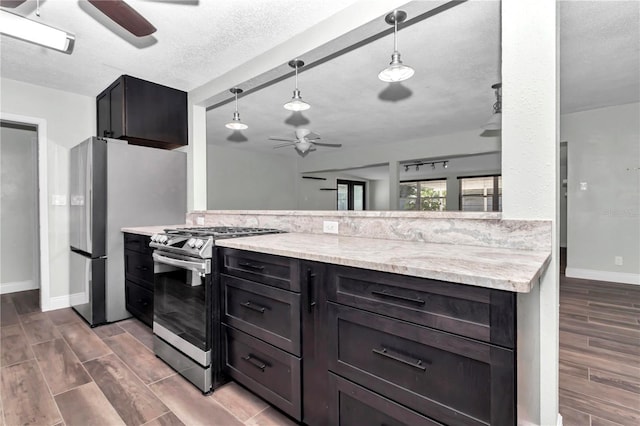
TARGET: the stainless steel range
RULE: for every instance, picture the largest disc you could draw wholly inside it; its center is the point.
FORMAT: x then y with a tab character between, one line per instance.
186	317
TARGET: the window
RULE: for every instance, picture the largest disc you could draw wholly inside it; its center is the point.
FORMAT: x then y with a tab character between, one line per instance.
350	195
481	194
423	195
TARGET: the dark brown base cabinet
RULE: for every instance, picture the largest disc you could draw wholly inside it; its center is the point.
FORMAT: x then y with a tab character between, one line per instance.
334	345
138	273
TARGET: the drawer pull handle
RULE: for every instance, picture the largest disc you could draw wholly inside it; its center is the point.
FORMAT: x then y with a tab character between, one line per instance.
256	308
384	293
386	354
142	268
252	266
256	362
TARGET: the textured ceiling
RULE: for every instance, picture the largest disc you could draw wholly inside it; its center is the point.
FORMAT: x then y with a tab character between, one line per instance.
195	41
456	56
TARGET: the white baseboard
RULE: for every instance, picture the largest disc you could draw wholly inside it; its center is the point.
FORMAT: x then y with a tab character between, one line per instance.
18	286
559	419
592	274
65	301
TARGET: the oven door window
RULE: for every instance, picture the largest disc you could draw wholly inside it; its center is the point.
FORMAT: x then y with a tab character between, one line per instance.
180	304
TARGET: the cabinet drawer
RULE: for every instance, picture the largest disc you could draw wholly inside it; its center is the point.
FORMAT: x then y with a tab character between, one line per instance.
476	312
137	242
268	313
138	267
139	301
353	405
269	372
272	270
451	379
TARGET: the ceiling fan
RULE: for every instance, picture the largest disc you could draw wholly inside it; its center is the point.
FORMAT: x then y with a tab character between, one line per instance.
305	141
117	10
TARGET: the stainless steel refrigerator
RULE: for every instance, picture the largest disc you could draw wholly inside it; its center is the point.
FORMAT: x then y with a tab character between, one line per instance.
115	185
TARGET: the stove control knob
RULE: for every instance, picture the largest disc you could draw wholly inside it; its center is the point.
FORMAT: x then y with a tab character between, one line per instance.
199	243
153	237
192	242
163	239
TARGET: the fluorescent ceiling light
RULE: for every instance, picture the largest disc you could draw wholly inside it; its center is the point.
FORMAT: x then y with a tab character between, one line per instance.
35	32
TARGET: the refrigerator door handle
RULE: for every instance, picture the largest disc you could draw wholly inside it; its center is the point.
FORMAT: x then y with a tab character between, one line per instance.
89	195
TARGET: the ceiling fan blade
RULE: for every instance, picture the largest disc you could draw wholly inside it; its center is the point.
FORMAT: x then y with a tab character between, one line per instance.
125	16
282	139
284	144
312	136
11	3
335	145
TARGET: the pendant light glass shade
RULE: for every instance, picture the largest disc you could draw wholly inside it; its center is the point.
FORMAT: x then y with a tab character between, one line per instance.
296	103
236	123
495	121
396	71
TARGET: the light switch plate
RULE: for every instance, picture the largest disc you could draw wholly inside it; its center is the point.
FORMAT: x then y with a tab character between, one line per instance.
58	200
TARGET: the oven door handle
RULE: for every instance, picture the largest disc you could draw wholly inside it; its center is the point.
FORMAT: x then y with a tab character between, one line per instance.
203	267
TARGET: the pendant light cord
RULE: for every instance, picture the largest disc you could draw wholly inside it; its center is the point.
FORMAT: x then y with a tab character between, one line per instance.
296	76
236	101
38	8
395	35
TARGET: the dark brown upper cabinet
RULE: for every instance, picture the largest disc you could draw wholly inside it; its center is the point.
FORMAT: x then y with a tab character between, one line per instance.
143	113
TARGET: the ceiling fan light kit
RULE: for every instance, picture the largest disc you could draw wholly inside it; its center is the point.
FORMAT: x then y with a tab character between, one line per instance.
495	121
35	32
236	123
296	103
396	71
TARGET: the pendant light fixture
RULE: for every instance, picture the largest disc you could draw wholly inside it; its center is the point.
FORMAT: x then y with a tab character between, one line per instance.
396	71
296	103
236	124
495	121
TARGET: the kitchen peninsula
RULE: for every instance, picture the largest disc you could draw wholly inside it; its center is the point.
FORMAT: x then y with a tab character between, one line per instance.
432	295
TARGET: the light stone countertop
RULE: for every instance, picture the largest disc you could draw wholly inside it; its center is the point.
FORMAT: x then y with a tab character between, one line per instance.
150	230
498	268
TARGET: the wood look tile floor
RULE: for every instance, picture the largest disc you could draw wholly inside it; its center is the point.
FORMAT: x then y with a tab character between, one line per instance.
56	370
599	353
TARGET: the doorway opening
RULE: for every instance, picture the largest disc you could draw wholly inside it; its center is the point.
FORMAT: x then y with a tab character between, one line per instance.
19	245
24	228
351	195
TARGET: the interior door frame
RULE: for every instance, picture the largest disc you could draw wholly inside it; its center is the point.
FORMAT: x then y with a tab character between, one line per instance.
43	211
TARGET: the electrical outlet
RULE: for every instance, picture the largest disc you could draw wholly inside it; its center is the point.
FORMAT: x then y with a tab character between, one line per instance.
618	260
583	186
200	220
329	227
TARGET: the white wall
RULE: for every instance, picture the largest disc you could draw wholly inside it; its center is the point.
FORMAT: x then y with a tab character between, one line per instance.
18	208
603	220
70	119
378	194
530	116
245	180
312	197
